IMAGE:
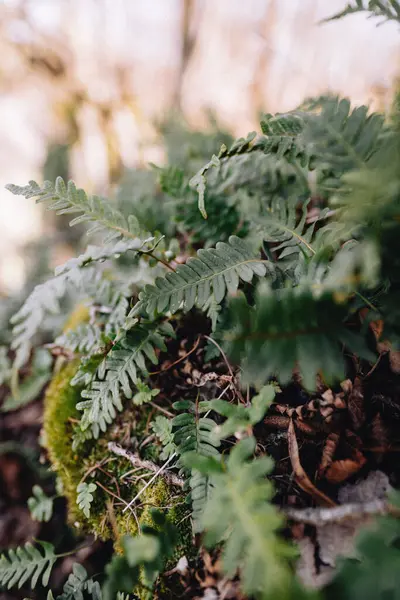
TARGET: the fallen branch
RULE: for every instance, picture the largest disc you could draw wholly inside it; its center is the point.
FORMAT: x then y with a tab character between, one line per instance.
354	511
136	461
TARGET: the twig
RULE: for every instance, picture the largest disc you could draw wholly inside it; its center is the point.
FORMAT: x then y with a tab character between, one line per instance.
353	511
160	470
161	409
136	461
222	354
177	361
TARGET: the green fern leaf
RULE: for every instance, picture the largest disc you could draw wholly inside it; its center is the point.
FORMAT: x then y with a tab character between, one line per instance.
40	505
239	418
78	583
280	225
193	434
162	428
118	373
239	514
389	10
27	563
216	270
77	273
85	496
288	328
342	138
67	199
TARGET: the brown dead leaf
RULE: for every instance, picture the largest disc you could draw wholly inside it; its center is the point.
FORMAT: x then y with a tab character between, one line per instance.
328	452
341	470
301	476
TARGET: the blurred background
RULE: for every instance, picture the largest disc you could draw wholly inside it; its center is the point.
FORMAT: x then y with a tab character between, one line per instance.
88	86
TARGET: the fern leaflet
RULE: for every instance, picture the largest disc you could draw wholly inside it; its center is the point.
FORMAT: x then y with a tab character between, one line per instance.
27	563
288	328
118	371
67	199
241	497
216	270
193	434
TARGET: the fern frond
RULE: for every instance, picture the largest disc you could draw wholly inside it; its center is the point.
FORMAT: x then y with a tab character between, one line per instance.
283	138
27	563
193	434
239	418
67	199
387	9
118	373
77	273
84	339
216	270
280	224
199	181
240	515
85	497
40	505
341	138
288	328
78	583
162	428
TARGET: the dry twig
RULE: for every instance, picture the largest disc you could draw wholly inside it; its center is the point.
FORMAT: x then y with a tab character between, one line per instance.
136	461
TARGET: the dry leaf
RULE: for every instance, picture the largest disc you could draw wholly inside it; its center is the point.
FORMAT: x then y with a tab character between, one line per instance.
328	452
301	476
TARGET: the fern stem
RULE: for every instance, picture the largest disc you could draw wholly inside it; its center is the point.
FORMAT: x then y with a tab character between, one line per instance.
160	260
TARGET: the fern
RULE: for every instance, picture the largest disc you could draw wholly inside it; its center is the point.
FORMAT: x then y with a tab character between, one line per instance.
27	563
144	393
162	428
240	419
193	434
67	199
147	552
387	9
118	372
341	138
85	497
280	225
288	328
216	271
78	583
78	273
40	505
5	365
239	515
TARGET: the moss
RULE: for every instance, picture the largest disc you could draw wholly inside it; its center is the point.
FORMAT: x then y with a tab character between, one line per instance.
106	520
79	315
59	410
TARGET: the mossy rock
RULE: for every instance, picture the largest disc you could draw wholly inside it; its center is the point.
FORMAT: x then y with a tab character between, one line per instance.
107	519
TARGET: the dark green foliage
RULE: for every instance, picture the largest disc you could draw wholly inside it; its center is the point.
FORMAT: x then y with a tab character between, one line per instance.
290	327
